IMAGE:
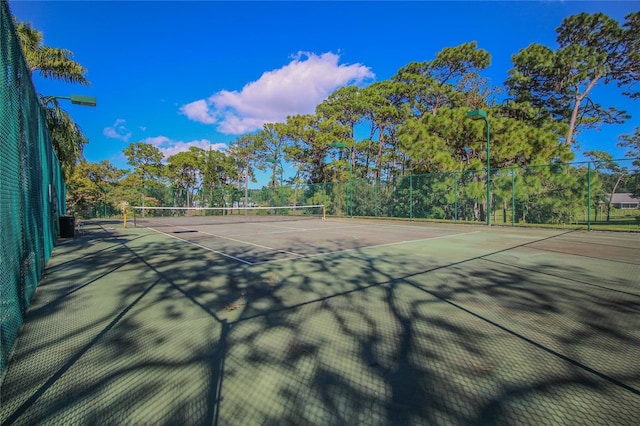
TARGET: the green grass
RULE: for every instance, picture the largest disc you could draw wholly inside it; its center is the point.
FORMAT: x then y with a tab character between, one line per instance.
620	220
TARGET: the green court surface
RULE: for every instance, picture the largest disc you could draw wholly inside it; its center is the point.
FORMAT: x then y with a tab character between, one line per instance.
331	322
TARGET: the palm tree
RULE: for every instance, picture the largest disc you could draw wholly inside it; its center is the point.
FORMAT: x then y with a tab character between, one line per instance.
53	63
67	138
50	62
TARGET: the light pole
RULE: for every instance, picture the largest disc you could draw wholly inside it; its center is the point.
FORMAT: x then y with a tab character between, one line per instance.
75	99
342	145
474	115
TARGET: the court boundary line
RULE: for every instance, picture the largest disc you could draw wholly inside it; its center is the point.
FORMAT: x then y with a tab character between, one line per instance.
243	242
624	262
246	262
297	255
578	241
282	229
289	230
328	229
203	247
367	247
575	280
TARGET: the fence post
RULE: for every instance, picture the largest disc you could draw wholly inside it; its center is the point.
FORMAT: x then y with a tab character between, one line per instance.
411	197
324	194
345	186
589	196
513	196
455	197
142	199
375	197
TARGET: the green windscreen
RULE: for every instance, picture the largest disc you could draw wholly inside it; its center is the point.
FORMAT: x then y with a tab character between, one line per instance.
31	187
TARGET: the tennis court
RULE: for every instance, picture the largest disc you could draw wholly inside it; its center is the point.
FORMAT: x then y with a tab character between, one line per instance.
330	321
255	239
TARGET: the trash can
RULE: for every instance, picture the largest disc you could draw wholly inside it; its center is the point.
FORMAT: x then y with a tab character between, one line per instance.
67	226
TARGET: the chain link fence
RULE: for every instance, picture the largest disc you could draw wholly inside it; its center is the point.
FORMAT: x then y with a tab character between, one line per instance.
32	190
578	195
589	195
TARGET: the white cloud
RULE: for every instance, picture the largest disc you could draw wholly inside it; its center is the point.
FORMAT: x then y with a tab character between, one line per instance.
169	147
293	89
198	111
117	131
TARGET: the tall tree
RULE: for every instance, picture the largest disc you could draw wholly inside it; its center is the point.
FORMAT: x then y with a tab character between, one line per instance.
632	143
448	142
604	163
346	107
272	141
147	162
67	138
50	62
451	79
310	138
385	111
217	175
91	184
246	150
593	49
183	171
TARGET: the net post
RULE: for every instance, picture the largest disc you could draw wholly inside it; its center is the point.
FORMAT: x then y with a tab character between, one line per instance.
135	225
324	212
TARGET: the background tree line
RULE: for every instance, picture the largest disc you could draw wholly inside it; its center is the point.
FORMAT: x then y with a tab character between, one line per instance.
413	123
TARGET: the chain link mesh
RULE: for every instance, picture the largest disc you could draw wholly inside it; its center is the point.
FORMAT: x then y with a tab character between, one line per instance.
580	195
32	190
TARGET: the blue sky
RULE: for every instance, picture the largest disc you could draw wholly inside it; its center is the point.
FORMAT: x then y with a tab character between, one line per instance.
177	74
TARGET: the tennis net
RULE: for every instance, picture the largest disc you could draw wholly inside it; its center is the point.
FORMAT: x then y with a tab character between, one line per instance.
203	216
